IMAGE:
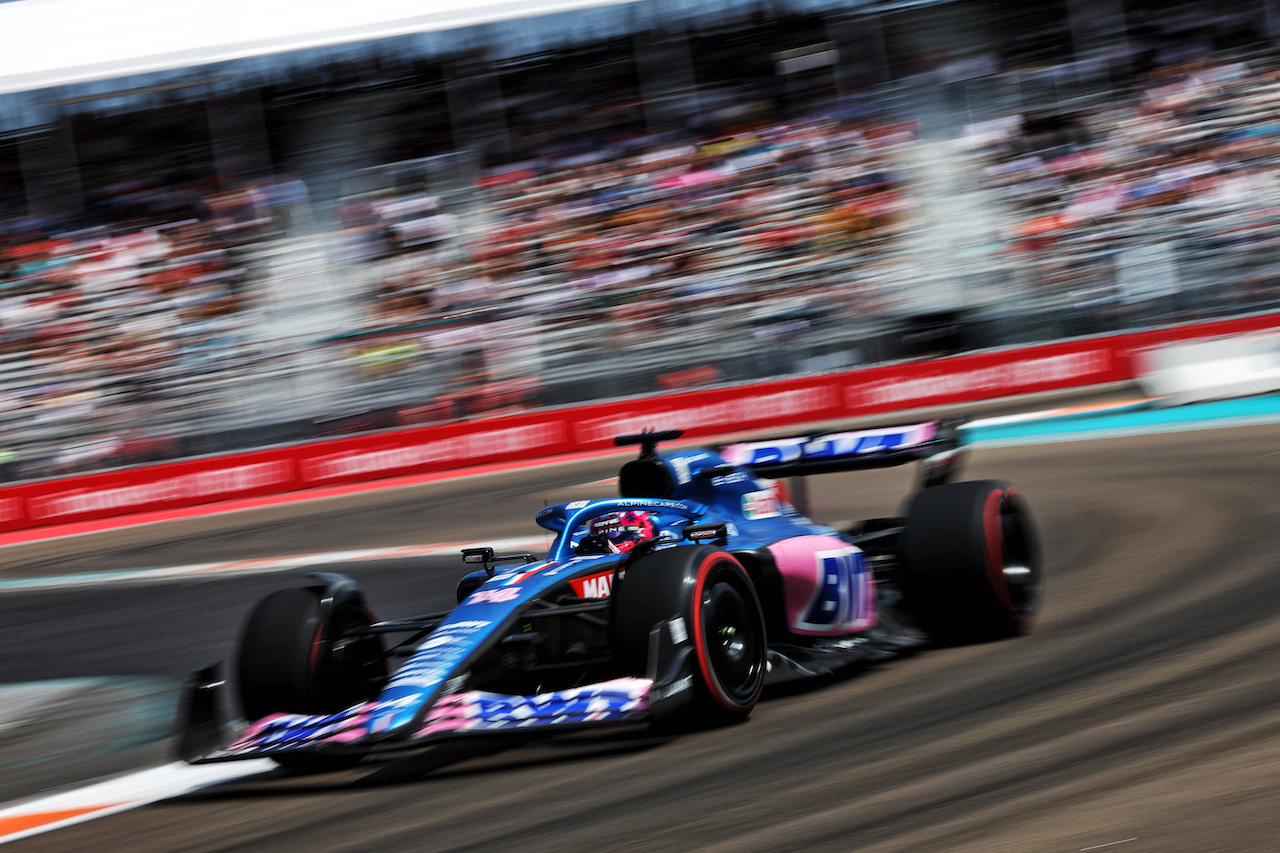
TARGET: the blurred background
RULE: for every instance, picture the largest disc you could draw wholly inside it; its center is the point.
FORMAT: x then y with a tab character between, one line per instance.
615	201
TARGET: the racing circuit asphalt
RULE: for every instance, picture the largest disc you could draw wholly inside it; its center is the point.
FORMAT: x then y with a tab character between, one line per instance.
1142	714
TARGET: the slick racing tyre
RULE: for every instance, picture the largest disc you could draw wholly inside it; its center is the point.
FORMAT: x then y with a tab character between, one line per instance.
971	563
297	656
721	618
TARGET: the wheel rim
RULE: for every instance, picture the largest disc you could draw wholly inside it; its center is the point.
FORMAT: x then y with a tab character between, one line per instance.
1022	571
353	668
732	641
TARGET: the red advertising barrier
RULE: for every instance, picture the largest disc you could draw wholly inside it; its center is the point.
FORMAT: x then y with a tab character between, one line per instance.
765	405
130	490
265	472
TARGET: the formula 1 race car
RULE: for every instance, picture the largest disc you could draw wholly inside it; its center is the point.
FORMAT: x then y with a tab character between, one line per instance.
674	603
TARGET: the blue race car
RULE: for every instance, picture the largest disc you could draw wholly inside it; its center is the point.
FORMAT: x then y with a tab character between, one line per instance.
675	603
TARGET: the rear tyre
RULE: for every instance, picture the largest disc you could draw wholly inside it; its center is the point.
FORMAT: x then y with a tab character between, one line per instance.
711	592
297	656
972	569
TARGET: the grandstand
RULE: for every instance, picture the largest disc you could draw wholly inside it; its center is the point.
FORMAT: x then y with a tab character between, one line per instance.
286	241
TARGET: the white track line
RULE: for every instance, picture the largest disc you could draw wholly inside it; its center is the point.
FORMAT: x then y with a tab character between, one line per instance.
122	793
1069	411
269	564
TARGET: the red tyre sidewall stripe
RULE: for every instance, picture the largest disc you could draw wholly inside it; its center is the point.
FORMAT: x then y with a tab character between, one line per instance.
313	659
994	542
700	642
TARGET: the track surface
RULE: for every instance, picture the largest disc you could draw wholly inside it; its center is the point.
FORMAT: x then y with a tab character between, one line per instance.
1142	714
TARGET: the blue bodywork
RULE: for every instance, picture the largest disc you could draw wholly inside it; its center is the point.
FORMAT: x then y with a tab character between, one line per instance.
425	692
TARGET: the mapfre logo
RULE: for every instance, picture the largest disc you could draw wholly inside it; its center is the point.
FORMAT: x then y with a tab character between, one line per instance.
594	586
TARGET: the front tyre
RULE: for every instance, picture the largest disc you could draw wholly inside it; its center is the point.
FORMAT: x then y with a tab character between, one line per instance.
301	653
729	638
972	568
708	591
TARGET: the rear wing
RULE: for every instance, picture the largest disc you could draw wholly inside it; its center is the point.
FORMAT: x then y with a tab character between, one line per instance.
935	444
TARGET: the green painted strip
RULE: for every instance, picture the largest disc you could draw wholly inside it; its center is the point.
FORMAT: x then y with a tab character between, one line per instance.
1140	421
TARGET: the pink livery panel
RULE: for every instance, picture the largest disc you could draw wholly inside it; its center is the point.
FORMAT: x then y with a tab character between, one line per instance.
827	586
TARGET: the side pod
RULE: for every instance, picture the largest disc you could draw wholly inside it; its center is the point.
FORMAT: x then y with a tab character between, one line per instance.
200	714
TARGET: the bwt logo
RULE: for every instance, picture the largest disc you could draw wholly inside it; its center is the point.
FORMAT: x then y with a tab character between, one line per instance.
840	597
498	596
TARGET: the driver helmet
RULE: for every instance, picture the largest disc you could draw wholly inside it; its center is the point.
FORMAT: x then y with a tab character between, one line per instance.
623	530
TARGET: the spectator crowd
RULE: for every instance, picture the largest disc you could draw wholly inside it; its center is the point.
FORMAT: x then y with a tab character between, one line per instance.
1184	159
664	224
589	226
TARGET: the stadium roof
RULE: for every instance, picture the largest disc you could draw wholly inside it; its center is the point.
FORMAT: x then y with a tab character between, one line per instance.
47	43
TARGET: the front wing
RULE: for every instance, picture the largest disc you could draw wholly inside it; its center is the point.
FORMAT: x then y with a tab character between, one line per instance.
204	734
621	700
